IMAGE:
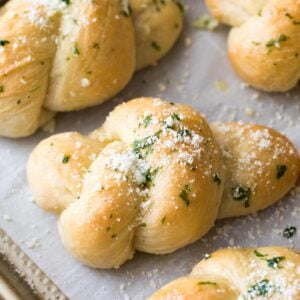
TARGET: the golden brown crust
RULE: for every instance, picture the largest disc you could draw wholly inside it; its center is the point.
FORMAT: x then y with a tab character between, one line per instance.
235	12
24	67
92	63
157	26
54	55
264	46
262	165
148	189
64	182
262	273
155	183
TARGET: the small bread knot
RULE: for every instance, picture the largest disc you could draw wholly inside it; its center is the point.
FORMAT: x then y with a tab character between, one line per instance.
68	55
154	178
238	274
263	45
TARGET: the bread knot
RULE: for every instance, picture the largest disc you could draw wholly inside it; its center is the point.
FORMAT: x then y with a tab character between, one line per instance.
68	55
245	273
154	178
263	45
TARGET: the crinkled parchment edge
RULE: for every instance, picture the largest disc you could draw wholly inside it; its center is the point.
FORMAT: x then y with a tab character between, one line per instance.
26	273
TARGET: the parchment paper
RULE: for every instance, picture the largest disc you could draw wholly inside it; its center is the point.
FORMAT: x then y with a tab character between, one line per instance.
190	74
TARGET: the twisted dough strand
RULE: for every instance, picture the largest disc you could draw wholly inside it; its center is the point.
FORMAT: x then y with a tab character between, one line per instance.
263	46
62	56
239	274
153	179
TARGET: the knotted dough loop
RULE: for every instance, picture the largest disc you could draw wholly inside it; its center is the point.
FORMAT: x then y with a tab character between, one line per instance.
238	274
263	46
68	55
152	179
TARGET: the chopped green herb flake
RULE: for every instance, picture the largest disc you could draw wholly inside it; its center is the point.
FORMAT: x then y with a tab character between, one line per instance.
271	262
184	195
295	22
113	236
35	89
155	46
147	121
216	178
206	22
1	88
281	169
241	193
289	16
207	282
261	288
274	262
256	43
68	2
4	42
183	132
149	174
176	117
143	146
258	254
289	232
75	49
163	220
66	158
277	42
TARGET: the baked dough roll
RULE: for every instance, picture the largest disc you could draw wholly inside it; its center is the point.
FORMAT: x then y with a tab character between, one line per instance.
263	45
68	55
231	274
152	179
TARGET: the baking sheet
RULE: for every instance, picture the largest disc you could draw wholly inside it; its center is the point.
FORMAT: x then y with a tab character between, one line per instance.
196	72
20	278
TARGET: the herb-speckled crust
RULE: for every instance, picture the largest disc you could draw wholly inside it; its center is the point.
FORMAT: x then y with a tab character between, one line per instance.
259	159
118	211
157	25
67	55
264	46
235	12
239	274
150	179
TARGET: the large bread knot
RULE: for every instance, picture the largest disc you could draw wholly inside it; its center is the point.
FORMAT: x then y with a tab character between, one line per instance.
263	46
153	179
239	274
60	55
